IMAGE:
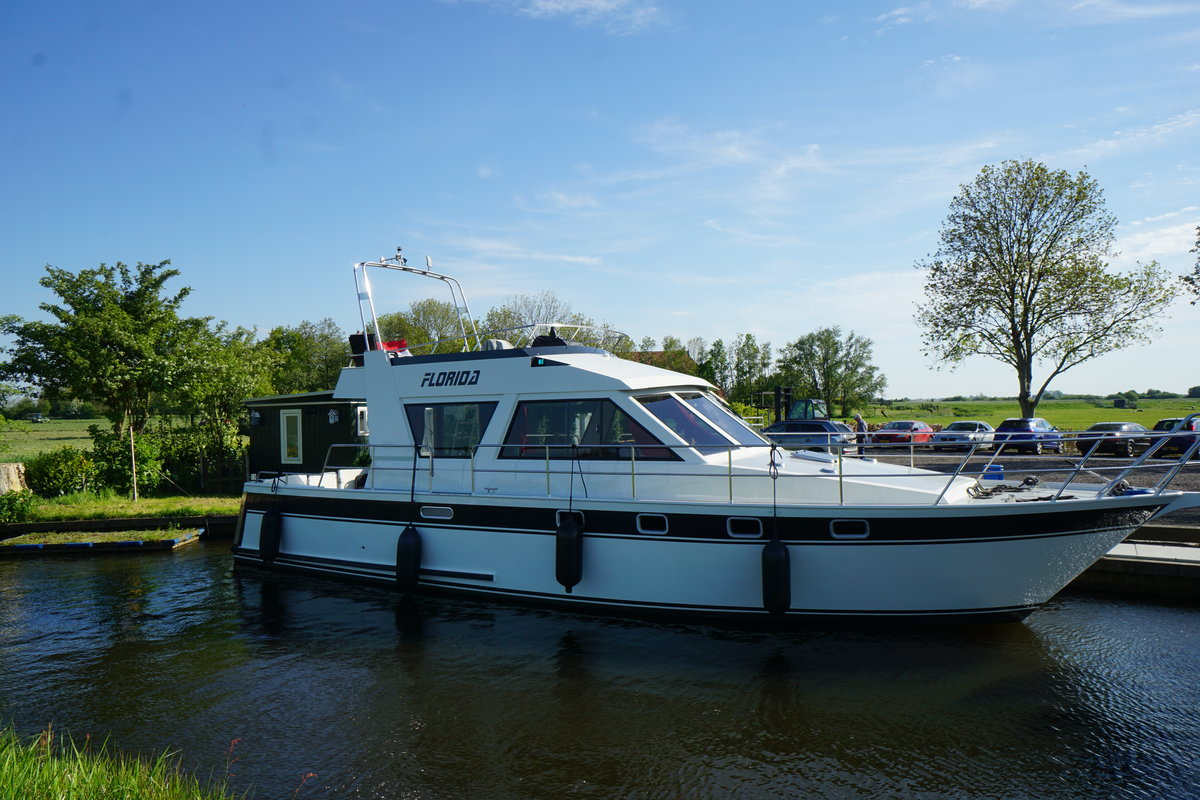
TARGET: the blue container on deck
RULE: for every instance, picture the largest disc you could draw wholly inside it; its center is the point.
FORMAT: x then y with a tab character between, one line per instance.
993	472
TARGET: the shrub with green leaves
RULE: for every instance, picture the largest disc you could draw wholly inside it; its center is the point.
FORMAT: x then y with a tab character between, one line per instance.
17	506
113	463
62	471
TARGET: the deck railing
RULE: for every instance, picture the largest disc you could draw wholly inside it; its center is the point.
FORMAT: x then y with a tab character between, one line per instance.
563	473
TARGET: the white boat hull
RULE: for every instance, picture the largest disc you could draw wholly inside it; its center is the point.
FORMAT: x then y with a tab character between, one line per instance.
926	563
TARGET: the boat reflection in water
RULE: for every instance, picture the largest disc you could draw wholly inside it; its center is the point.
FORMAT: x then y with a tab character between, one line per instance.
453	698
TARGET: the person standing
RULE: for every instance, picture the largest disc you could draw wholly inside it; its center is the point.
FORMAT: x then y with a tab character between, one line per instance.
860	429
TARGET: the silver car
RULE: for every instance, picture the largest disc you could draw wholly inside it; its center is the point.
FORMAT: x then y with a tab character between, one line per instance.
962	434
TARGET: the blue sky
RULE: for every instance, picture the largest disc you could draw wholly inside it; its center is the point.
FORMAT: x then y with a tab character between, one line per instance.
684	167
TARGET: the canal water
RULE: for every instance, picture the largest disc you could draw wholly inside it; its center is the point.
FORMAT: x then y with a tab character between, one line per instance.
370	697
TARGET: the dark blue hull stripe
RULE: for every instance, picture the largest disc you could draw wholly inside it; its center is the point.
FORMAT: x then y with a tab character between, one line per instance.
808	531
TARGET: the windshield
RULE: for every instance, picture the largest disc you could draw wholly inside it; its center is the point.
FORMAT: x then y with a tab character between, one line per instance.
1015	425
684	422
897	426
718	415
961	426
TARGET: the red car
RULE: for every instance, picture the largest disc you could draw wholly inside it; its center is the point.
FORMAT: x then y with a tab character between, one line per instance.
905	431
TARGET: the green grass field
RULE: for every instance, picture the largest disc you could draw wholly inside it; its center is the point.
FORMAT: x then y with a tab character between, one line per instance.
27	439
1067	415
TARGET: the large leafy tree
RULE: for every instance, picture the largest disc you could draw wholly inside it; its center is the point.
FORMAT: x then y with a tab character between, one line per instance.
831	366
1021	275
307	357
228	368
116	337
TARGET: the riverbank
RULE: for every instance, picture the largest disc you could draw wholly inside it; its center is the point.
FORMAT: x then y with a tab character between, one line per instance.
50	766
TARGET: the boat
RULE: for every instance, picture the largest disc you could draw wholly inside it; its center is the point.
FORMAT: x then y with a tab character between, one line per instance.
535	466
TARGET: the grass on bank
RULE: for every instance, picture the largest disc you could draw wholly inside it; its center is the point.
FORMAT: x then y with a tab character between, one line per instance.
51	767
98	537
109	505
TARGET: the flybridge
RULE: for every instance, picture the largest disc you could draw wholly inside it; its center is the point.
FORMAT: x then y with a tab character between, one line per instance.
537	334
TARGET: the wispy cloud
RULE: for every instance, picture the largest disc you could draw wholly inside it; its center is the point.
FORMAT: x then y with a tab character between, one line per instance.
1169	244
1123	141
620	17
710	148
1168	215
566	201
904	15
1119	10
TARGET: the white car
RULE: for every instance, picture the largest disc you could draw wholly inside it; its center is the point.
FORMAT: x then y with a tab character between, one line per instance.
962	434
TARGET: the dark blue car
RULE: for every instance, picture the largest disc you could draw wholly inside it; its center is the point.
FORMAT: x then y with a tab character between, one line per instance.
1029	434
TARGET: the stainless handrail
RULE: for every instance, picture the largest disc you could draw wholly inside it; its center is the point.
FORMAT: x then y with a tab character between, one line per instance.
634	470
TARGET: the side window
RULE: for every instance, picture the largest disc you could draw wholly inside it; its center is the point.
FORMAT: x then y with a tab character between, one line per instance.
291	444
585	429
450	430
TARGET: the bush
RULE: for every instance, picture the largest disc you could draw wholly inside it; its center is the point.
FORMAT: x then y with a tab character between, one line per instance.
17	506
61	471
112	460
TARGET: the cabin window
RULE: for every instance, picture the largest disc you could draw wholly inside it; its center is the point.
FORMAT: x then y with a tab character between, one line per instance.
291	438
449	430
595	429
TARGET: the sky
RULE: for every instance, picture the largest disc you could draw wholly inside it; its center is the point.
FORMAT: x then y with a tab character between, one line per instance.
669	167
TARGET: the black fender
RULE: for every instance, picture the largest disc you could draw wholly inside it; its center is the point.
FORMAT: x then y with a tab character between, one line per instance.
408	558
270	532
776	577
568	552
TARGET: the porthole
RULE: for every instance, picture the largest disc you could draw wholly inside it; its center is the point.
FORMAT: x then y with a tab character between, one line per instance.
651	523
744	527
437	512
849	528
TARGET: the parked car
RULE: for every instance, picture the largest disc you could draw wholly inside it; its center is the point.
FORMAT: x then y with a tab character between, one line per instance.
1117	438
1177	444
905	431
809	434
1032	434
963	433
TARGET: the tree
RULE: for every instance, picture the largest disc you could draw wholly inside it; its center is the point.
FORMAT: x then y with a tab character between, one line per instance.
748	365
835	368
429	326
1194	391
228	368
1021	276
714	367
520	310
1192	282
115	339
308	357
